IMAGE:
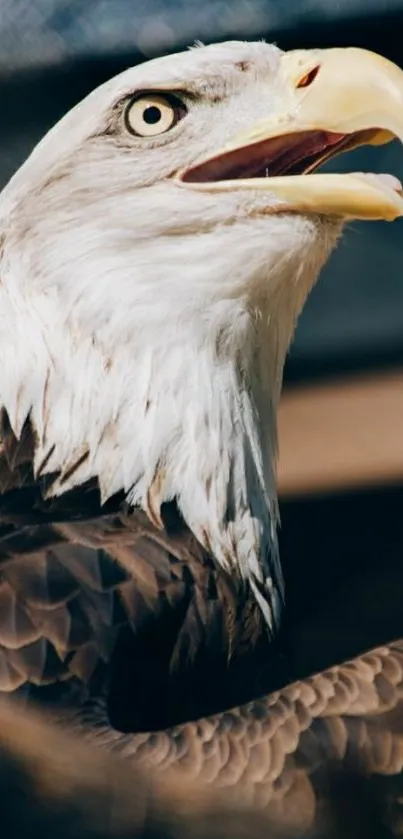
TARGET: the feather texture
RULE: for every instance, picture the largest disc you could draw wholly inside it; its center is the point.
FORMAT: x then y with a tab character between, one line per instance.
144	326
74	574
278	753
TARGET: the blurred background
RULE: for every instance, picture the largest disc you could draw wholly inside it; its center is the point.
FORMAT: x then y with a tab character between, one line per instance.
341	419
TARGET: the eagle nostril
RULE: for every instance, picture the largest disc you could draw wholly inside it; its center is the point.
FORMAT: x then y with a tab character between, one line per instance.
309	77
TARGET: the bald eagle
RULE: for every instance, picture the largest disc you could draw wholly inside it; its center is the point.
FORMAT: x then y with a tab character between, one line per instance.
156	250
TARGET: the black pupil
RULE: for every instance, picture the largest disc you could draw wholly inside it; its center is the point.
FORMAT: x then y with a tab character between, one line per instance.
152	115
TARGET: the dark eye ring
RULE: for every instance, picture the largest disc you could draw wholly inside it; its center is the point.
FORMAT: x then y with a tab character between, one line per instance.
150	114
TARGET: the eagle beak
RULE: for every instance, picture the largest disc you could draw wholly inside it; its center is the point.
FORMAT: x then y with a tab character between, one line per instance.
331	101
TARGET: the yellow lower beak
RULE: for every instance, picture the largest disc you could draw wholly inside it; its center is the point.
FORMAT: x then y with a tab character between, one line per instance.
350	94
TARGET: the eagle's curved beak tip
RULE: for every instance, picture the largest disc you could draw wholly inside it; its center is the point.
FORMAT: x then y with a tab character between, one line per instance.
333	100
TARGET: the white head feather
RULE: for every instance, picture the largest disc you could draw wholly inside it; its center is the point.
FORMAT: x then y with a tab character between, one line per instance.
144	326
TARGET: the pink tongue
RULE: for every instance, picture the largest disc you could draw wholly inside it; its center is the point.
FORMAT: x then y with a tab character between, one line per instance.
281	155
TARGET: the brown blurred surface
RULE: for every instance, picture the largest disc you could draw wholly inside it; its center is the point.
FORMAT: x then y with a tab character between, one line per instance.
346	434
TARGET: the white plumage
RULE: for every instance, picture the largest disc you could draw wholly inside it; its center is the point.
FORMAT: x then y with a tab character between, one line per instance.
144	325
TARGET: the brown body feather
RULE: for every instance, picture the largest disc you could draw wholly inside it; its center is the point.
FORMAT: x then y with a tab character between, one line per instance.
74	575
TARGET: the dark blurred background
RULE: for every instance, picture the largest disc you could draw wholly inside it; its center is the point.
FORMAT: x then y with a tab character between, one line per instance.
342	546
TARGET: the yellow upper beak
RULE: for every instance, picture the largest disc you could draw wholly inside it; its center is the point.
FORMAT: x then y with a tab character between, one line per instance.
338	91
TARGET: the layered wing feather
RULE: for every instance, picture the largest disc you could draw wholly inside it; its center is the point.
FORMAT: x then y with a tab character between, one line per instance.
279	753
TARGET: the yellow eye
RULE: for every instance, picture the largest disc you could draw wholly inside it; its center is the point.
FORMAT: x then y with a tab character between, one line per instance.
151	114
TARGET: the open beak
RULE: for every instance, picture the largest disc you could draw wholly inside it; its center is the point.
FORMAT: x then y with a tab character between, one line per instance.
334	100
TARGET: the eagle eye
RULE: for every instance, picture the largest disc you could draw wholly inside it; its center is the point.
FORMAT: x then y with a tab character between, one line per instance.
151	114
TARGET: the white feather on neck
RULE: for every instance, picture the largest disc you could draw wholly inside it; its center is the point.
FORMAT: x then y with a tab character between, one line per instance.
161	382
